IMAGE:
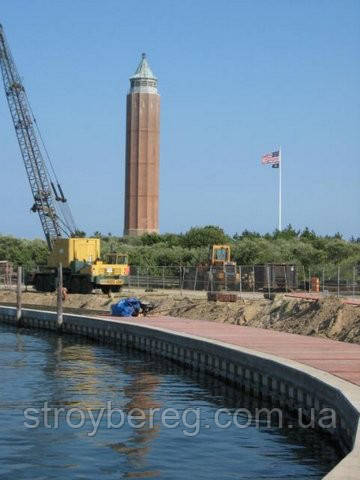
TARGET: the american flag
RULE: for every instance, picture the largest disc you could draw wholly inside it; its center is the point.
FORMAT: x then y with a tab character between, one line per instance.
272	158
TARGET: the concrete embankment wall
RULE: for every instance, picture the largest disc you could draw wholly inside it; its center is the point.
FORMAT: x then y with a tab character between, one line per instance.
287	384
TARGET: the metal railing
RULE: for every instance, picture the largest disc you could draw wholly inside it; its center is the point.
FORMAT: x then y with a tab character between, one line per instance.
240	279
334	280
8	276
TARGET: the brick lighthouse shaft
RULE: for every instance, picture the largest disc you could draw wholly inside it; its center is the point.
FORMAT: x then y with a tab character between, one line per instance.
142	153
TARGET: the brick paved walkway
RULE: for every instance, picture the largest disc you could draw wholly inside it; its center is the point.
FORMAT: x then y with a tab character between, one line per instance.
338	358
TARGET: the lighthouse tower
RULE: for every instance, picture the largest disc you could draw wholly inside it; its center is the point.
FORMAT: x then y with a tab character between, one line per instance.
142	153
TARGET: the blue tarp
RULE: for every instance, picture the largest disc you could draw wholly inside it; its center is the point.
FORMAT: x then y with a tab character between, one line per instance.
128	307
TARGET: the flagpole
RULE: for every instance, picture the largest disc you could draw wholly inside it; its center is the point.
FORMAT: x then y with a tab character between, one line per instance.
280	191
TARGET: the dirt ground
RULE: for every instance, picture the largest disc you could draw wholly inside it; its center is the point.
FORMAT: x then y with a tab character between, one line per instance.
327	317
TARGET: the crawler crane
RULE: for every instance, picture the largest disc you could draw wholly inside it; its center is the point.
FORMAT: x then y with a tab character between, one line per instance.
80	257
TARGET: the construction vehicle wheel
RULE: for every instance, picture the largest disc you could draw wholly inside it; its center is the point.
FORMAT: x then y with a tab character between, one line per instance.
38	284
86	286
75	285
44	283
107	289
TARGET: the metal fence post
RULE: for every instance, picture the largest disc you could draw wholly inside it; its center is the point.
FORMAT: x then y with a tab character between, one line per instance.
338	282
18	295
254	286
163	277
323	280
304	275
240	281
285	276
309	280
196	275
210	280
59	309
180	279
138	276
353	282
268	280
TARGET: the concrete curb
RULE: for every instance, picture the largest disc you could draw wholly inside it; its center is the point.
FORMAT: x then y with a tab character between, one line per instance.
287	383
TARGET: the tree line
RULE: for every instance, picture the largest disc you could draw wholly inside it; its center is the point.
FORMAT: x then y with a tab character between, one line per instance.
303	247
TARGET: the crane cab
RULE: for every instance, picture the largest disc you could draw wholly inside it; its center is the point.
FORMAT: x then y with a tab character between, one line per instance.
74	252
219	254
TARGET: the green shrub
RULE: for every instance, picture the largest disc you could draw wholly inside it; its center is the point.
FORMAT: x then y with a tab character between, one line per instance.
192	248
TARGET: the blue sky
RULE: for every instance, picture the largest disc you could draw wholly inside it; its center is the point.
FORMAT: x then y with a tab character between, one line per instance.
236	78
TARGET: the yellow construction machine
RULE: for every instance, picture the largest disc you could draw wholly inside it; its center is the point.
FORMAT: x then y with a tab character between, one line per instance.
83	269
219	273
222	271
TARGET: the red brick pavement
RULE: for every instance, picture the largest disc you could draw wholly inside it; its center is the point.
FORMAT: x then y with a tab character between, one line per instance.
338	358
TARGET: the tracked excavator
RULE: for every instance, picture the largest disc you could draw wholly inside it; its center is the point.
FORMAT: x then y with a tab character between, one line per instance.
83	269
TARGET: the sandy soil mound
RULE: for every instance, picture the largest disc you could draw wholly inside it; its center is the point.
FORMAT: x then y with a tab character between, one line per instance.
327	317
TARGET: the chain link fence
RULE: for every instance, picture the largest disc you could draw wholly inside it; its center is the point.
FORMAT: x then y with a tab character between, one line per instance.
240	279
8	275
327	280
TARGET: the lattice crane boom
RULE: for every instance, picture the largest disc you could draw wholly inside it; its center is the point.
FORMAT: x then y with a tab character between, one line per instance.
54	224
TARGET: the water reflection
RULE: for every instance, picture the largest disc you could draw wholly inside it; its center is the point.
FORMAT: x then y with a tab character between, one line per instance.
141	395
66	371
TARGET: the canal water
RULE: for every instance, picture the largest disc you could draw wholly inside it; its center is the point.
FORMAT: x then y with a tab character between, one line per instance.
158	421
